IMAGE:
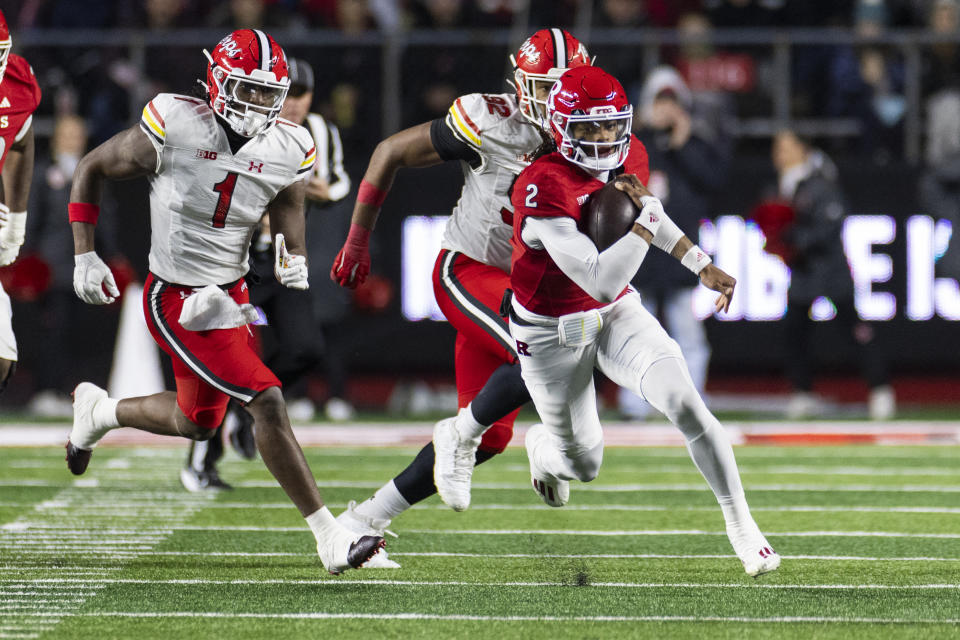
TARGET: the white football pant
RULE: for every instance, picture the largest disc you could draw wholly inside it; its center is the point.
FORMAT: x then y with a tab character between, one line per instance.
8	343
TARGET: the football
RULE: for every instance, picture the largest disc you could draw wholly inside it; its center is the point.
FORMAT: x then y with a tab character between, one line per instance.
607	215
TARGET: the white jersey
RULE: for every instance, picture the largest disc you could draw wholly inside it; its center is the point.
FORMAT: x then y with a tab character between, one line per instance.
206	202
482	221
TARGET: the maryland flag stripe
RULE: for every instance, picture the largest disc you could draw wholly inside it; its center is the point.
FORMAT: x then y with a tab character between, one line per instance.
464	124
308	160
154	123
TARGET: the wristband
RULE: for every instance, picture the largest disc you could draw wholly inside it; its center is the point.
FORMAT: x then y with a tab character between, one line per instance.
695	259
83	212
370	194
358	234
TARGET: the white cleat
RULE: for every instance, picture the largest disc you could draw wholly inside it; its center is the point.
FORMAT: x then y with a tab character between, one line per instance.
453	464
755	553
553	491
85	434
367	526
342	549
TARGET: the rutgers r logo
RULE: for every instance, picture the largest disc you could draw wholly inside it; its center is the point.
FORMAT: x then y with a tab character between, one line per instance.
523	349
256	166
203	154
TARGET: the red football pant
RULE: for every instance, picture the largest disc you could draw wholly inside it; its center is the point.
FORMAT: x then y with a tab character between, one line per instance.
469	295
212	366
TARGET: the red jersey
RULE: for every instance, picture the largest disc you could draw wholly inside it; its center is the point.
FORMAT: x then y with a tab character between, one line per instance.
552	187
19	98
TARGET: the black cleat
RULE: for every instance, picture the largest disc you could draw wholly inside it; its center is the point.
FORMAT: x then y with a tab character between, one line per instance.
77	458
364	549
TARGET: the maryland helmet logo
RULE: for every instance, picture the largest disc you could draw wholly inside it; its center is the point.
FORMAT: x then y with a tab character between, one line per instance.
231	48
529	51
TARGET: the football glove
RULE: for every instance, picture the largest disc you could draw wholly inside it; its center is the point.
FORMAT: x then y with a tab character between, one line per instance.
352	264
290	269
13	228
91	276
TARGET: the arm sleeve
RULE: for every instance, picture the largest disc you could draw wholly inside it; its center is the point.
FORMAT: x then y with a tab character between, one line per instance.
449	146
602	275
339	180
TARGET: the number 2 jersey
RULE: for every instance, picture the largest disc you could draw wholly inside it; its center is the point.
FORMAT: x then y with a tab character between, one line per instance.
19	98
206	201
495	143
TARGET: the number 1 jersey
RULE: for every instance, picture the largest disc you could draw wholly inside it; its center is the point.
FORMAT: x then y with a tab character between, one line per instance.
206	201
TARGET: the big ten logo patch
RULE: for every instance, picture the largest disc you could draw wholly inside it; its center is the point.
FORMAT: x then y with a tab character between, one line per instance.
203	154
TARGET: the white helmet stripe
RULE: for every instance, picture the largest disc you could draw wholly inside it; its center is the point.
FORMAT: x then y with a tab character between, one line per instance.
560	47
265	56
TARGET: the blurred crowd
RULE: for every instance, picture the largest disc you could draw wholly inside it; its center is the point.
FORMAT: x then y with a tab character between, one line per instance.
861	82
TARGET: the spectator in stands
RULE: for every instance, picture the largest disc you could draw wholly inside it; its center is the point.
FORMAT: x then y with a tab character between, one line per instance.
440	14
867	83
248	14
808	181
939	187
689	159
941	61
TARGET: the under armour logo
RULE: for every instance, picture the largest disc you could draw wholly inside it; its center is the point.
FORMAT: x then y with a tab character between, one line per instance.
523	349
766	552
256	166
654	218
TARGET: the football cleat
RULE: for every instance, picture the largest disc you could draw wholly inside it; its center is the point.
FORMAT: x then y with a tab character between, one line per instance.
85	434
367	526
196	481
553	491
454	459
342	549
755	553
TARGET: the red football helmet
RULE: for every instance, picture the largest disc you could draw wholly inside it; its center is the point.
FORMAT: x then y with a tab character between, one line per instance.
5	44
590	118
247	80
542	59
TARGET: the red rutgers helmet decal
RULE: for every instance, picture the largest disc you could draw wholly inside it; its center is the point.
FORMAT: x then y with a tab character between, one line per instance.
539	62
247	80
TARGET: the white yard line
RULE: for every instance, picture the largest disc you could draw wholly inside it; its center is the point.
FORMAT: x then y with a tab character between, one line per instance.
479	618
332	582
150	536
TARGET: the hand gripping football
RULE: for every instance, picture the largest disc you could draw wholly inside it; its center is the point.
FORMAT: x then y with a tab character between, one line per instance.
607	215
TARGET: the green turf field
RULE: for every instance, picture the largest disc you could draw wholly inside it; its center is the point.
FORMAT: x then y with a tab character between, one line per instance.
870	538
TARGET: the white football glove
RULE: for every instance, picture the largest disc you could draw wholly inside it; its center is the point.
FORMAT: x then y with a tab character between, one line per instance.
290	270
651	214
13	229
90	276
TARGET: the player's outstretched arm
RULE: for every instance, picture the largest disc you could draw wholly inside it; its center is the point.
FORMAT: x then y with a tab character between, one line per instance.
411	147
126	155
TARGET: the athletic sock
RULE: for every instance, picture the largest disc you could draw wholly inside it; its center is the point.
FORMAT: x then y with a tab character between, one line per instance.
503	393
321	522
467	426
386	504
105	414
